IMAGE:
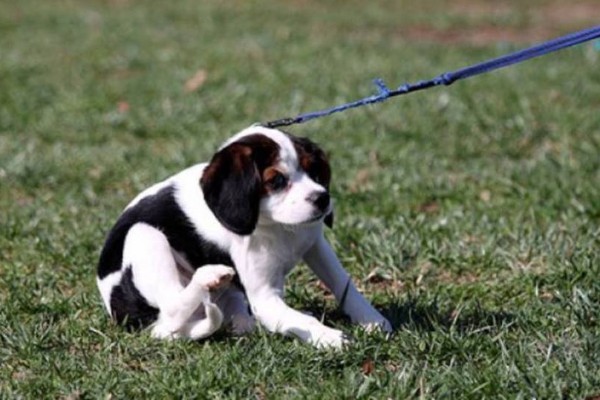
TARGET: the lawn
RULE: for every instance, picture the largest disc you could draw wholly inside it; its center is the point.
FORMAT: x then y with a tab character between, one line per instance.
469	214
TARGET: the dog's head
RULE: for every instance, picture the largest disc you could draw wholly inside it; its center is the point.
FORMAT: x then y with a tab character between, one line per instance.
265	176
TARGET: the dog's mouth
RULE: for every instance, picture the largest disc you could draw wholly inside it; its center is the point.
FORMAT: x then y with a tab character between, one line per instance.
320	215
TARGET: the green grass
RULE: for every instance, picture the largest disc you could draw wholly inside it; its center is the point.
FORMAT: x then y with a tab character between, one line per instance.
479	204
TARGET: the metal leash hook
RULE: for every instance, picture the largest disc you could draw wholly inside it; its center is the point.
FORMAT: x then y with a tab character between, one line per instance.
449	78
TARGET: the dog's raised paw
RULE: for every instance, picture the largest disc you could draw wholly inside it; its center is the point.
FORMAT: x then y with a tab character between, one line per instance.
213	277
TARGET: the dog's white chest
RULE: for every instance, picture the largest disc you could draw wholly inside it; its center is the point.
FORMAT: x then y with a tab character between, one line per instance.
271	254
288	246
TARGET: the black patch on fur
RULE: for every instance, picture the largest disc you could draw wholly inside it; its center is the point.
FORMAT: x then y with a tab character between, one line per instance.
129	307
162	212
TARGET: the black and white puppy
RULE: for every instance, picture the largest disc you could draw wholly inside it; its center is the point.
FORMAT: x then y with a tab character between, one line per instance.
249	215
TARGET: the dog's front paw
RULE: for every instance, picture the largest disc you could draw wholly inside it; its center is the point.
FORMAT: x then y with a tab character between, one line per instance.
381	324
328	338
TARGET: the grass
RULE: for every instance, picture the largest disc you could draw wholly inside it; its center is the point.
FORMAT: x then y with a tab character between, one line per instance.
469	215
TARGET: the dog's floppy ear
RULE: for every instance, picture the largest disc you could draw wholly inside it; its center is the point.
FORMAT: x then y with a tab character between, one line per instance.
231	187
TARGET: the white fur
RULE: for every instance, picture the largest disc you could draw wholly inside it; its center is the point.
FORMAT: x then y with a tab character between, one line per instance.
286	234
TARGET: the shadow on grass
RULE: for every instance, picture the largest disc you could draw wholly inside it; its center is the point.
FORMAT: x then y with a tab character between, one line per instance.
413	315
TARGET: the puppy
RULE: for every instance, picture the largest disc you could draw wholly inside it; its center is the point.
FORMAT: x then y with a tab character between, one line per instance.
188	254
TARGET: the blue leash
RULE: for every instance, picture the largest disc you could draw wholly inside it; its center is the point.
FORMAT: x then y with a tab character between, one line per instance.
449	78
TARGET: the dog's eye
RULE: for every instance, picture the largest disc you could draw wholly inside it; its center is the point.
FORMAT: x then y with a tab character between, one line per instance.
278	182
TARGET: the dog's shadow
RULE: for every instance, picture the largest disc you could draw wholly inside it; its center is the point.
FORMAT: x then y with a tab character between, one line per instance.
414	315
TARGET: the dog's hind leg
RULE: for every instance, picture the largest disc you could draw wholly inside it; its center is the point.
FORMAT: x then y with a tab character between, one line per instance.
177	319
207	279
158	279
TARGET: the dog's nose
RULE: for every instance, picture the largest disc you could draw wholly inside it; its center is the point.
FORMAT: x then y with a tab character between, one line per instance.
320	200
